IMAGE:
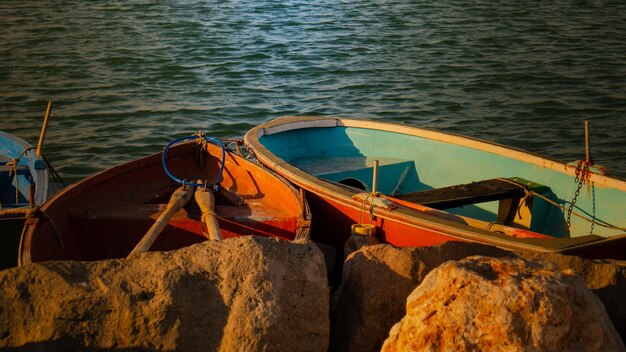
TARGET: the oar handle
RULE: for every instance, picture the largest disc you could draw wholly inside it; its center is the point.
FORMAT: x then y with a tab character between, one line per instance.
206	202
179	199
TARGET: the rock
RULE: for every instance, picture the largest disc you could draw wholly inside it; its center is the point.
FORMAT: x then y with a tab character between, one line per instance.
507	304
376	281
605	278
252	294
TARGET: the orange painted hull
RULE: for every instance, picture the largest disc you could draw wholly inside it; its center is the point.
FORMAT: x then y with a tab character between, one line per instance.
105	216
335	218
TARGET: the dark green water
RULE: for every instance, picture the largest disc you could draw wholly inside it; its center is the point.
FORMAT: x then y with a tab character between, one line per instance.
127	77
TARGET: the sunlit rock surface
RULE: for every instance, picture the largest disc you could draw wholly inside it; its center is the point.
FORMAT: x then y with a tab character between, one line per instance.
488	304
378	279
243	294
376	282
254	294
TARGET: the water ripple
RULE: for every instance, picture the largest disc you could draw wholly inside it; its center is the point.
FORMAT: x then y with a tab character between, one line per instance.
127	77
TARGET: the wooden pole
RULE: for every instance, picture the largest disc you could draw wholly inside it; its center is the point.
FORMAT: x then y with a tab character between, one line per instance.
44	128
179	199
206	202
31	195
375	178
587	147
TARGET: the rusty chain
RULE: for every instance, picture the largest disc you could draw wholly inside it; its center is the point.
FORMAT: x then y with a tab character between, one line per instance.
582	173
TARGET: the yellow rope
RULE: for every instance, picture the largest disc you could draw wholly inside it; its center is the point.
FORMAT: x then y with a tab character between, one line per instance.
362	210
13	171
14	211
531	193
34	212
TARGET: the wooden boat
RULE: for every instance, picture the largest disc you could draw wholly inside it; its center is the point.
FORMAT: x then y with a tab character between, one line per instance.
106	215
24	183
22	173
433	187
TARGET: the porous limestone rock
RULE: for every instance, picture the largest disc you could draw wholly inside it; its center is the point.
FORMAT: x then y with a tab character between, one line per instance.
605	278
378	279
507	304
243	294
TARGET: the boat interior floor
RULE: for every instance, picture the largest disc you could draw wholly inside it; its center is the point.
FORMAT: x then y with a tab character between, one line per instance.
249	216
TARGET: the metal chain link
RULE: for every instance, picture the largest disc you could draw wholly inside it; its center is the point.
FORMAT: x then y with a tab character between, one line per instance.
593	209
582	172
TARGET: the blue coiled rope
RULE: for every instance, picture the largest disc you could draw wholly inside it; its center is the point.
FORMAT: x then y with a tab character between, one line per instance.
215	141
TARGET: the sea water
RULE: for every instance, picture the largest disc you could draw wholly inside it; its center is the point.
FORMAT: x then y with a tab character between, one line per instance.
126	77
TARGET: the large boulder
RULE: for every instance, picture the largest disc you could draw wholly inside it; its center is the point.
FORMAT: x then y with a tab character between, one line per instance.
605	278
377	280
244	294
508	304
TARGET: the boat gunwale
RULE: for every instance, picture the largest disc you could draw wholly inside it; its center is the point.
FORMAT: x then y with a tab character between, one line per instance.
288	123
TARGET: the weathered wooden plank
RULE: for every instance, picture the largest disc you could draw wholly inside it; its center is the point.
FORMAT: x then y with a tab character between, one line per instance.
465	194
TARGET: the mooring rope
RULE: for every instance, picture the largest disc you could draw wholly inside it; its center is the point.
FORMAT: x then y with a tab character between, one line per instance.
56	177
14	211
236	142
13	164
204	139
528	193
33	213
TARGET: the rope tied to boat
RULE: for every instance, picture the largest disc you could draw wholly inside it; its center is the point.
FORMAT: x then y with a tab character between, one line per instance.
36	212
202	140
206	214
200	147
251	153
362	210
33	214
13	172
14	211
303	225
234	142
54	175
16	160
594	221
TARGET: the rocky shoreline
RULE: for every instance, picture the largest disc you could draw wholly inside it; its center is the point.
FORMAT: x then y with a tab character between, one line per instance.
262	294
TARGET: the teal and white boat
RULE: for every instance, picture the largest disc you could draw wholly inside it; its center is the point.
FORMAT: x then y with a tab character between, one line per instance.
23	174
23	180
26	182
409	186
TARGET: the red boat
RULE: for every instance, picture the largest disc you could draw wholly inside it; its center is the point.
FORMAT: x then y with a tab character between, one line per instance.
106	215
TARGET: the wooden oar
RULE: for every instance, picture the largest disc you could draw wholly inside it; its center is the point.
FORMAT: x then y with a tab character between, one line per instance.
206	201
179	199
44	129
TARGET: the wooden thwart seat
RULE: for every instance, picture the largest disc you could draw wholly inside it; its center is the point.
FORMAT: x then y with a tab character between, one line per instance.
465	194
509	193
